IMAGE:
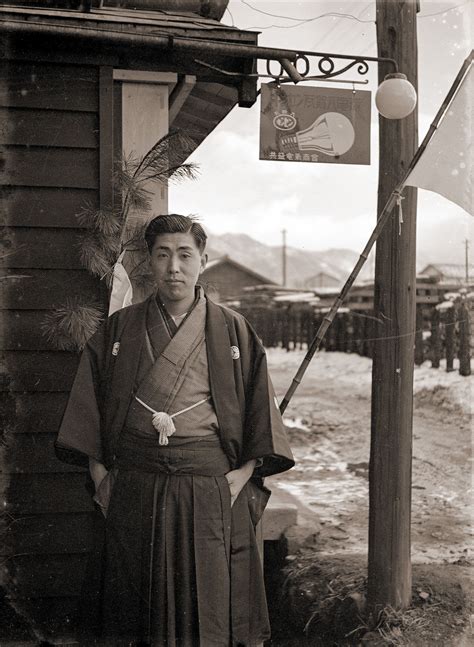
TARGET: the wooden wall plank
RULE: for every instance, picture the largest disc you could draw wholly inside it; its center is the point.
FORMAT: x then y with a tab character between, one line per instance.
38	371
33	454
50	86
106	120
45	289
22	331
47	248
38	412
46	493
49	162
31	127
46	576
44	206
54	167
49	533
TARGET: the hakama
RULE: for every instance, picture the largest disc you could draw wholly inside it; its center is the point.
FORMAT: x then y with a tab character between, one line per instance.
181	565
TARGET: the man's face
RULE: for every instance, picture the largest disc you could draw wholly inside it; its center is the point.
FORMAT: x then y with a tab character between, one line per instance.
176	264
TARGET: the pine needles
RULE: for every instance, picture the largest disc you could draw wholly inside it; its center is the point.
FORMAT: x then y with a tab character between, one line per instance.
134	177
109	232
71	325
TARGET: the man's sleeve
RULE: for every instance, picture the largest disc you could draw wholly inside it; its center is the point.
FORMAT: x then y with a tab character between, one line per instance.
264	434
79	436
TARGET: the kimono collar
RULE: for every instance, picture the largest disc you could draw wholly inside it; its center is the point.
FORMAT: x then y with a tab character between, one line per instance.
168	319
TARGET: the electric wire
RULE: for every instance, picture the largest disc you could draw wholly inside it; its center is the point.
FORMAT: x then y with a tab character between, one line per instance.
439	13
337	24
302	21
324	15
351	37
227	10
370	47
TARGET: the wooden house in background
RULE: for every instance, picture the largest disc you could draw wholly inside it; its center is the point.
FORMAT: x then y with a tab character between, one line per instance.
323	280
78	86
452	274
225	279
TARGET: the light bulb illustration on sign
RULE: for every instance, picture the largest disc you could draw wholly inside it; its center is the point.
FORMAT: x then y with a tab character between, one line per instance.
331	133
315	125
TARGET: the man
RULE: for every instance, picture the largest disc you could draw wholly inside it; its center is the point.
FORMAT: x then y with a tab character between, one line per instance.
174	411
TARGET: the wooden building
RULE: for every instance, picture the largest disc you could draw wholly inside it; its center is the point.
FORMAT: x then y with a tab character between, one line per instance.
225	279
78	87
453	274
323	280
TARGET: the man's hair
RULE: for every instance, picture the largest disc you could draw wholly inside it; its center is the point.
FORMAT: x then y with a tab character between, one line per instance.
174	223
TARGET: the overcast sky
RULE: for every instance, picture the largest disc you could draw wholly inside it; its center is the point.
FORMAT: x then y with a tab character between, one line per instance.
322	205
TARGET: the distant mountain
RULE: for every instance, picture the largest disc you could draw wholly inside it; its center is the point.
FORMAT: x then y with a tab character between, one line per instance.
267	259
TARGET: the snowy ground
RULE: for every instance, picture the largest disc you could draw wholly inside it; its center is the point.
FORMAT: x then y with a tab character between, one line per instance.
329	427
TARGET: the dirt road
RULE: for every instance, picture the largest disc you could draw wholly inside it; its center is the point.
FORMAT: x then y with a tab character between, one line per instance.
329	426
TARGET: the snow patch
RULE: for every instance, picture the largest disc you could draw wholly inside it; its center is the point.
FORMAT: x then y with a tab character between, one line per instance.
432	387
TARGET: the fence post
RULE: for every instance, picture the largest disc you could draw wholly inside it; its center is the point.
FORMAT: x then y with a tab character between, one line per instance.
357	334
349	332
337	332
292	325
281	328
450	320
435	339
300	323
364	329
308	326
285	329
464	352
344	324
331	337
370	331
419	350
317	322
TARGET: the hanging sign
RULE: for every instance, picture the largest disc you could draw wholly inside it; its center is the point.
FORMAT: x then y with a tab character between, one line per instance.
308	124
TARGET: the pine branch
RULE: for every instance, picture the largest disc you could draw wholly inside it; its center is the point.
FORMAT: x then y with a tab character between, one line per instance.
187	171
142	279
165	158
70	326
163	162
138	198
99	253
134	236
107	222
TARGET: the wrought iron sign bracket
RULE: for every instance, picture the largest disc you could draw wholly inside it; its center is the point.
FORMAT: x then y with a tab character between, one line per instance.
297	66
326	65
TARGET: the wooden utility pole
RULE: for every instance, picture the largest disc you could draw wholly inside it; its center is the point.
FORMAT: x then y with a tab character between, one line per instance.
283	257
389	573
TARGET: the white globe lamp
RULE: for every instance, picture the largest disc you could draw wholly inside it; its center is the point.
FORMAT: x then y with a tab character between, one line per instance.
395	97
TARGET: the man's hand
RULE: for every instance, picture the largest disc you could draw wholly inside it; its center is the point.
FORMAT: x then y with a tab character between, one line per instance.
238	478
98	472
